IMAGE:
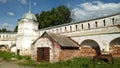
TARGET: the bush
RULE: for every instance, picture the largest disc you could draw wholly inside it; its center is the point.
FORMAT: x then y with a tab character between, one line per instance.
8	55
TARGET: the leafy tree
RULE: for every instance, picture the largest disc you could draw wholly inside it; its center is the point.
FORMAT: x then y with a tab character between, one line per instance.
3	30
16	28
56	16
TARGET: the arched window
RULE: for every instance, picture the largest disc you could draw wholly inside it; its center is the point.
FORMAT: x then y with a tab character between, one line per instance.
82	26
104	23
65	29
96	24
76	27
113	21
88	25
70	28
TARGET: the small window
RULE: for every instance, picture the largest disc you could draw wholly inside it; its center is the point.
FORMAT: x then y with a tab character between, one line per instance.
104	23
70	28
96	24
82	26
88	25
113	21
76	27
65	29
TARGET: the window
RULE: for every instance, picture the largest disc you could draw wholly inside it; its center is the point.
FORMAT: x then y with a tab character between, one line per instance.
88	25
113	21
76	27
96	24
70	28
82	26
65	29
104	23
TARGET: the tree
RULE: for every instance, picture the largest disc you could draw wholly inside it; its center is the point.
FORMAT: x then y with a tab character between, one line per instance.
56	16
3	30
16	29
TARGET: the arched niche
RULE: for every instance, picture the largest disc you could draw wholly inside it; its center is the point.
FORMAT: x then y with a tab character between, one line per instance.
89	48
115	47
4	47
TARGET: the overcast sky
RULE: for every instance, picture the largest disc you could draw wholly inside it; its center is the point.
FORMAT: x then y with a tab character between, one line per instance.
12	10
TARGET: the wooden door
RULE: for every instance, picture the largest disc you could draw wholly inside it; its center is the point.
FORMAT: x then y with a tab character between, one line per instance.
43	54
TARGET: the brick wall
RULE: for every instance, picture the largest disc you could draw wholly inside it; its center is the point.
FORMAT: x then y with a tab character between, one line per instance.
68	54
87	51
115	51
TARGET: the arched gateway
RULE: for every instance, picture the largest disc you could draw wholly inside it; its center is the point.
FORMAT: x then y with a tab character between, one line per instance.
115	47
89	48
4	47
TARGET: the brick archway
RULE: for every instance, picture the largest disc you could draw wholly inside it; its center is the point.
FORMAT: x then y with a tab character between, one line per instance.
4	47
115	47
89	48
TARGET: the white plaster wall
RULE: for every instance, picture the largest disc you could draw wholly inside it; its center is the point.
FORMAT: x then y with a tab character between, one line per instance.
102	40
8	43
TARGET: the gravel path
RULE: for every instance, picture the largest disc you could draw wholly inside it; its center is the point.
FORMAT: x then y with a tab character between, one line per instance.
4	64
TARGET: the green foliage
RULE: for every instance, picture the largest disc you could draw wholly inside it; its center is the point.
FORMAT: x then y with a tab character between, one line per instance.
16	29
8	55
5	55
73	63
4	30
56	16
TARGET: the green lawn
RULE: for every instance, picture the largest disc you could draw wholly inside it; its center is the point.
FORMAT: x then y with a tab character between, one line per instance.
73	63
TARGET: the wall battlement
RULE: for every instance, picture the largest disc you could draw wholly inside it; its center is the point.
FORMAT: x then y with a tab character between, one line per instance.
104	22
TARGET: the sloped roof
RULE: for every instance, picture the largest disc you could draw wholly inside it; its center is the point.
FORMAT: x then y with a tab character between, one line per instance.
62	40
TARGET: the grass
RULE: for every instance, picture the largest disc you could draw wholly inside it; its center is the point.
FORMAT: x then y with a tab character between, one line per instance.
8	56
73	63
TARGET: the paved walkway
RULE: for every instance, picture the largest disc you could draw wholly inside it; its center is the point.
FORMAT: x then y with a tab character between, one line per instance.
4	64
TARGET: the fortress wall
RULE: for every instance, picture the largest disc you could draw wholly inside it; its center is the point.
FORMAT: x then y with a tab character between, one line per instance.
85	25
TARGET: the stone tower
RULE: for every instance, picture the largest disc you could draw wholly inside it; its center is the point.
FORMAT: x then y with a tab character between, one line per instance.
27	26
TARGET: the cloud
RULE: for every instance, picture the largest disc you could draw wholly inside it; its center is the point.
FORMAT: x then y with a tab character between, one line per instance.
3	1
10	13
34	3
90	10
23	1
7	26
